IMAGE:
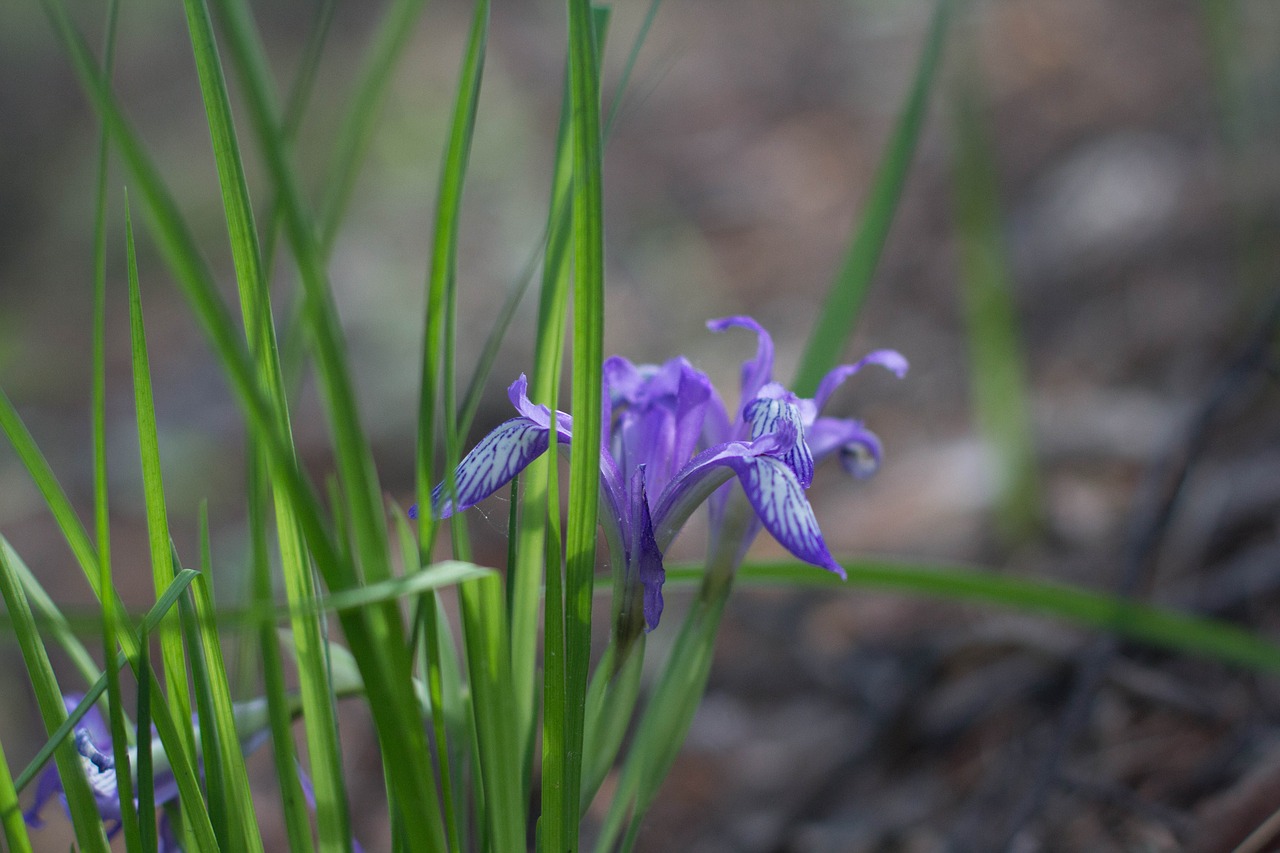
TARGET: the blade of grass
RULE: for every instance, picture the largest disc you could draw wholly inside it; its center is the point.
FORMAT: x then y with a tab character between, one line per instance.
357	129
210	753
51	619
84	814
293	802
539	518
376	634
588	357
146	759
425	632
484	621
15	828
153	617
997	373
241	818
840	310
162	567
1144	623
321	724
120	731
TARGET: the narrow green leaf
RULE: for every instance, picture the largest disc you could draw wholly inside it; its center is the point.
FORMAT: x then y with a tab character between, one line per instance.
997	367
839	312
357	129
375	634
321	726
588	357
146	758
157	612
84	814
15	828
293	802
1140	622
120	733
242	820
162	568
209	750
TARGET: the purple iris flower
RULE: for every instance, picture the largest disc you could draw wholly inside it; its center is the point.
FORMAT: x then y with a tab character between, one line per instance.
92	738
670	444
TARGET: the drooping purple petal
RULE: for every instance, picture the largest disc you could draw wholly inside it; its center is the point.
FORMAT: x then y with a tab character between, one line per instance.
645	558
756	371
848	437
889	359
777	417
492	463
779	501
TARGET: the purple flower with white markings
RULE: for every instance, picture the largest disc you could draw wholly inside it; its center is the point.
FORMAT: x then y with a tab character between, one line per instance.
93	742
670	445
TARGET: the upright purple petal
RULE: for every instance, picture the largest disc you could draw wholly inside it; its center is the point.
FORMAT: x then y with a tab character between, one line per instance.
492	463
889	359
779	501
756	371
517	393
777	417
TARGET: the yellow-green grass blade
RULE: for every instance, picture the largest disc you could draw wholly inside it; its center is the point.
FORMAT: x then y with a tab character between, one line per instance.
120	731
320	723
293	801
376	635
15	828
588	357
357	128
241	818
840	310
1144	623
84	813
162	566
157	612
997	367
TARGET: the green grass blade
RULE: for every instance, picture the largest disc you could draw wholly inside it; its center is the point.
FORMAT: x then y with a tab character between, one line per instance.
840	310
84	814
321	725
588	356
1143	623
293	802
376	635
157	612
357	129
611	700
215	773
15	828
146	759
488	655
162	567
430	673
242	820
51	619
997	372
120	732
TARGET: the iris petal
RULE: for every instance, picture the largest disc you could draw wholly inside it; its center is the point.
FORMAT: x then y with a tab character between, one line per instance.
889	359
492	463
777	417
756	371
778	499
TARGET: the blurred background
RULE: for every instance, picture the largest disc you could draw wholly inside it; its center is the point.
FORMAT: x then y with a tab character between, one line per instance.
1121	156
